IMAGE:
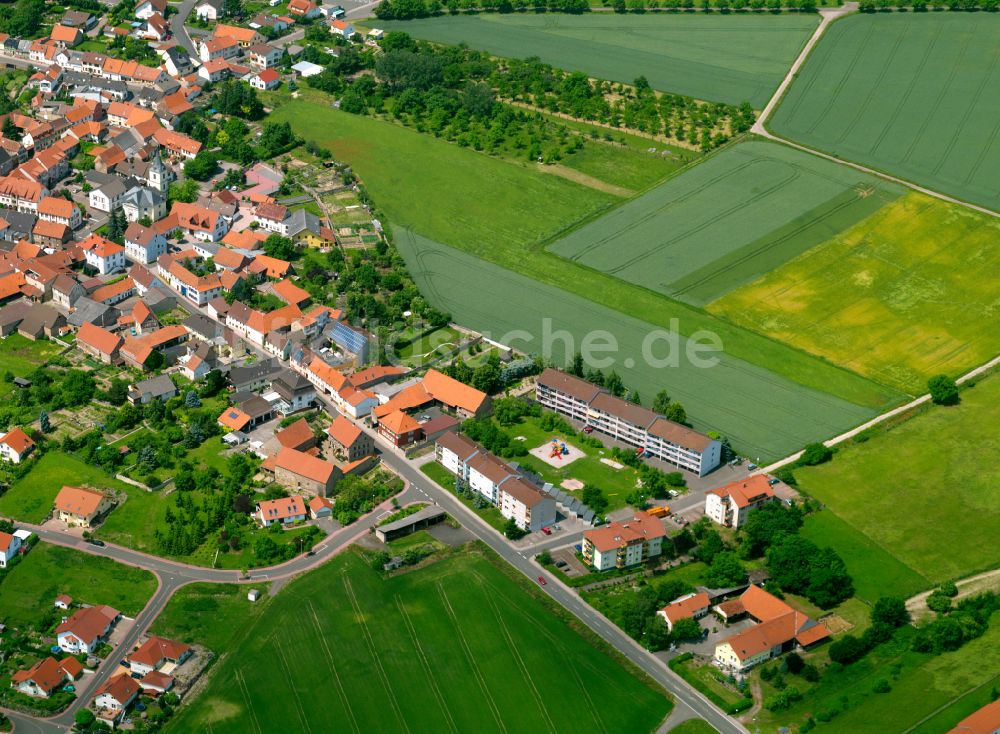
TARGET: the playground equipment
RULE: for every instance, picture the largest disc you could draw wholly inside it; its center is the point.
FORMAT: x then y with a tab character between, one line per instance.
559	449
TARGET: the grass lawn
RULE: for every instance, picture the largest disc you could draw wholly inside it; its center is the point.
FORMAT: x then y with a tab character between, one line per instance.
921	684
458	646
763	413
899	297
21	355
738	215
217	616
631	166
444	478
723	58
616	484
875	571
693	726
209	454
30	498
924	491
913	95
712	682
421	347
49	570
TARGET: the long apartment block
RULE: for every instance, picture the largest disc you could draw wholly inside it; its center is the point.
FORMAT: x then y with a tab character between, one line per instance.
627	422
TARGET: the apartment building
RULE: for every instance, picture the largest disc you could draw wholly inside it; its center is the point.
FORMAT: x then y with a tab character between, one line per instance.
730	505
627	422
623	544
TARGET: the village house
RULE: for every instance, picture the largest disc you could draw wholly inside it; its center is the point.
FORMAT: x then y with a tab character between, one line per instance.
80	507
86	629
689	606
298	436
144	244
116	695
265	80
103	255
10	546
15	445
160	388
399	429
285	511
46	676
156	652
59	210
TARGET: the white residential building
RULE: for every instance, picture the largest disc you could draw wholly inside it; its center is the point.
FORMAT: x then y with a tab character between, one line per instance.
730	505
623	544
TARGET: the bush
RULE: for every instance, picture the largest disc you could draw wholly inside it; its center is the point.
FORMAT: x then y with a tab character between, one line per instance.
847	649
882	686
783	700
794	663
814	454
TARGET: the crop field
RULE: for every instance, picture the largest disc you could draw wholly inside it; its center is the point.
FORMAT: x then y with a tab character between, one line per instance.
725	222
899	298
49	570
721	58
924	491
911	94
511	234
763	413
454	647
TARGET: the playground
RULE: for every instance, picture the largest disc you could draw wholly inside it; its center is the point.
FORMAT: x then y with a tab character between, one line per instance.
557	453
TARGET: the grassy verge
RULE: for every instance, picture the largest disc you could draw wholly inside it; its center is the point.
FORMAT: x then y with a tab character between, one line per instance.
445	479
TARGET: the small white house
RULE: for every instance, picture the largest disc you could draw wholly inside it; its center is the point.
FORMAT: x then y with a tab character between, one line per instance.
265	80
376	34
10	546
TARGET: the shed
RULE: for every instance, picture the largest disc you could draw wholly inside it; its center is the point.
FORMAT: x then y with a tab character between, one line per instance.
253	594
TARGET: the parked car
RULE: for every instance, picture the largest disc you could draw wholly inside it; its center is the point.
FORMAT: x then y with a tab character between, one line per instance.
547	531
772	482
95	541
588	429
542	581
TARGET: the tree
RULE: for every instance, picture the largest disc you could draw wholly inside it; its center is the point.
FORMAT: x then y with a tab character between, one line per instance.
84	718
676	413
726	570
195	436
938	602
661	402
78	388
655	634
276	138
577	366
768	525
847	649
790	562
643	606
117	391
192	400
201	167
614	384
186	192
943	390
43	422
829	582
686	629
513	531
890	611
594	498
710	546
279	247
10	130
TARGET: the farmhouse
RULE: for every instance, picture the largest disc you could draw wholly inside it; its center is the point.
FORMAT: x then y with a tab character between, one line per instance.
81	507
399	429
46	676
626	422
779	628
624	544
690	606
348	441
730	505
298	436
301	471
15	445
436	388
99	343
286	511
86	629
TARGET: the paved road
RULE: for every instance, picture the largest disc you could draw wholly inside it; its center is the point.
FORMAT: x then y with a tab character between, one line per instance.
179	30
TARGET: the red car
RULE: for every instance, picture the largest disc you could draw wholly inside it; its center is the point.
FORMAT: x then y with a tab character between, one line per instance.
547	531
588	429
542	581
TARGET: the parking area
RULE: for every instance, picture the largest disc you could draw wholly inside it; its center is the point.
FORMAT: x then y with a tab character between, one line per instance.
567	562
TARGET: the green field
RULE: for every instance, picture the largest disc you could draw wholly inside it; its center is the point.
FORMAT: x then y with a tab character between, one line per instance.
31	498
910	94
50	570
921	685
457	646
924	491
899	297
500	212
462	197
727	221
723	58
764	414
875	571
213	615
693	726
21	355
